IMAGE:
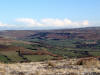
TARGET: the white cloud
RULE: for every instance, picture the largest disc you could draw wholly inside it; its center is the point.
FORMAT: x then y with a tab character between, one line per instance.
50	22
54	22
46	23
67	21
86	22
28	21
2	24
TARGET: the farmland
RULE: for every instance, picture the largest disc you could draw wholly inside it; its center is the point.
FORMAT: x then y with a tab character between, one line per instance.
28	45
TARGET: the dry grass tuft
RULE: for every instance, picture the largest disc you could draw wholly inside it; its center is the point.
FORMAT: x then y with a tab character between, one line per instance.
51	64
72	74
37	73
90	61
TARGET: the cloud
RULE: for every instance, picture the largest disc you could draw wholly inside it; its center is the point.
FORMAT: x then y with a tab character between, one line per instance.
53	23
2	24
46	23
86	22
28	21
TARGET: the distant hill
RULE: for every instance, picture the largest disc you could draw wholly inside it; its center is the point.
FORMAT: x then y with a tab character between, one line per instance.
91	33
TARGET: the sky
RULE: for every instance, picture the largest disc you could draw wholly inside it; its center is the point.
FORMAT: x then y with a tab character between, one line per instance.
48	14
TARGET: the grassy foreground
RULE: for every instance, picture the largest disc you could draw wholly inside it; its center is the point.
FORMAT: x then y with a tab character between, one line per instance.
86	66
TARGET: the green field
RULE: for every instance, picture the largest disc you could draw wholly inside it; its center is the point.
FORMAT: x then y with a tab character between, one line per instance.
64	48
38	57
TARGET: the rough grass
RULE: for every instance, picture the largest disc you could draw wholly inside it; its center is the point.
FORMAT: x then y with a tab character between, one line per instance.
56	67
38	57
12	55
51	64
3	59
95	53
91	61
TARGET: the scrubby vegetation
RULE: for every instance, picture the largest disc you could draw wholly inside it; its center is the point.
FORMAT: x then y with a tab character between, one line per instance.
54	67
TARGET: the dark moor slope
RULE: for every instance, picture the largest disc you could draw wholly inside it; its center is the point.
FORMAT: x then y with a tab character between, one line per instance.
92	33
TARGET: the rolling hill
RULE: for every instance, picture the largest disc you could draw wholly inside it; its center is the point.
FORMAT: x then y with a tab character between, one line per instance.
39	45
92	33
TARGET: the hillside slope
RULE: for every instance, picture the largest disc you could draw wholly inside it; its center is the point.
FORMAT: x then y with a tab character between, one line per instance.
92	33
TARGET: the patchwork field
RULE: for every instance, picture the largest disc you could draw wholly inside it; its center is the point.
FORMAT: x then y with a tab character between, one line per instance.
28	45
